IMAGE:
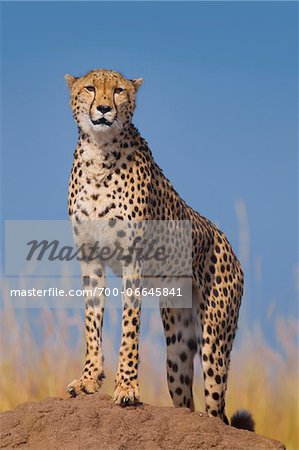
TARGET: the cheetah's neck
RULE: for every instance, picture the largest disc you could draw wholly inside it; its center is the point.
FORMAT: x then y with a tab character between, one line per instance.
99	157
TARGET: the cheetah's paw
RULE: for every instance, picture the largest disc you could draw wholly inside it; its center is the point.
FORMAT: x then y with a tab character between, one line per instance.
88	386
126	395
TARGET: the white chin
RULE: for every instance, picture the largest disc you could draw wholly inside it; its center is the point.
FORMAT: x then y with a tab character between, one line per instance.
101	127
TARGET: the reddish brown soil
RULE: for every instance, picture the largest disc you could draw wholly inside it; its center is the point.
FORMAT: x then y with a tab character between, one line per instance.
95	422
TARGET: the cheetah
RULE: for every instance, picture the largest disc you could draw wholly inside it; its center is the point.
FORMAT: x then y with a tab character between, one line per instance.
114	177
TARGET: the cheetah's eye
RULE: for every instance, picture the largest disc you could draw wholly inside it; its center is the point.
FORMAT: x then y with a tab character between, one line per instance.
90	88
118	90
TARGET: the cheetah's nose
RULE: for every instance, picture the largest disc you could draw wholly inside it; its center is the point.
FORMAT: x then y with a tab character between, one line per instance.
104	108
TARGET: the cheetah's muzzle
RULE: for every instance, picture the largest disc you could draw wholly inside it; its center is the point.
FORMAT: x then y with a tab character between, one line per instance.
102	121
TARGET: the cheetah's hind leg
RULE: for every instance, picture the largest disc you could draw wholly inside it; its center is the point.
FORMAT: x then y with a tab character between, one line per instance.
181	347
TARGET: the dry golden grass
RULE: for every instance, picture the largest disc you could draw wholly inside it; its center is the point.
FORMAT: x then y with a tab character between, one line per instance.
265	382
33	367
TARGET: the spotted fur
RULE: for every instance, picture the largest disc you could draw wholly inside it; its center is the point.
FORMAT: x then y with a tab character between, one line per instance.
114	176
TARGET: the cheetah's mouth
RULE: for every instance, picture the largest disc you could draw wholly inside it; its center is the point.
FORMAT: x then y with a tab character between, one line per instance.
102	121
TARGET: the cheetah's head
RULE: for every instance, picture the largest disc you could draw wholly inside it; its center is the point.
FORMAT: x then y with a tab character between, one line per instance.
102	101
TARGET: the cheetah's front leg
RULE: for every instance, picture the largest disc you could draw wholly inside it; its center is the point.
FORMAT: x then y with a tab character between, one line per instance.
126	383
93	373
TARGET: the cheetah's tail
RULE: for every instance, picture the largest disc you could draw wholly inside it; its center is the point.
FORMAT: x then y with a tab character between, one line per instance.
243	419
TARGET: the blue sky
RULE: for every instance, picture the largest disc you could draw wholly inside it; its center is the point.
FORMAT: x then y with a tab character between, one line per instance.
218	108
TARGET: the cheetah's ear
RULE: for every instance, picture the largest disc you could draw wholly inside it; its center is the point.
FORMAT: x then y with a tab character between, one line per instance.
137	82
70	80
